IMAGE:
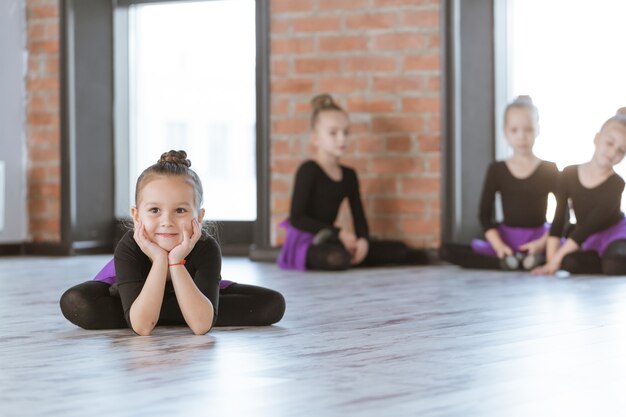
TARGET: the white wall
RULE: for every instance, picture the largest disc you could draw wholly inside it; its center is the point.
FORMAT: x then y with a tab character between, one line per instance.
12	120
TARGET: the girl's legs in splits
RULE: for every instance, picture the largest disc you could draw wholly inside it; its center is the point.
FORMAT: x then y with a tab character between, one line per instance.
91	306
464	256
249	305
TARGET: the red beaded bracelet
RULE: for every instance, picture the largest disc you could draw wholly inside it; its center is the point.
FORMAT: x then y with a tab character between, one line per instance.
183	262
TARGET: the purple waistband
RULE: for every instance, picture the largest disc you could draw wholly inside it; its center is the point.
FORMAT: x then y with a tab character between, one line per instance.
514	237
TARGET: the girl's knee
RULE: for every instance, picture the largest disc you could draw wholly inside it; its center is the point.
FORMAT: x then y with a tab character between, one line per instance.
569	263
73	305
616	249
614	258
71	300
338	260
614	265
582	262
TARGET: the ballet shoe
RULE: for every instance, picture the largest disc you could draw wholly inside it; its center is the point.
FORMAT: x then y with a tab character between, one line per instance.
323	236
417	257
510	263
532	260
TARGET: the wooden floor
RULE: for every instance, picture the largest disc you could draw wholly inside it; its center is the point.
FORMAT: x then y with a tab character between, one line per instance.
429	341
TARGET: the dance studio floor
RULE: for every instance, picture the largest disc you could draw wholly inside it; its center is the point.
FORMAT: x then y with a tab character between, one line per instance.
422	341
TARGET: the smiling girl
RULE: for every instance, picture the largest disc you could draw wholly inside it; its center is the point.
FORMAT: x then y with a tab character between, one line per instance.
167	270
596	242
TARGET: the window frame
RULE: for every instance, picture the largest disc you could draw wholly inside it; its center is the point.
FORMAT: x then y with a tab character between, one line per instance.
89	154
468	123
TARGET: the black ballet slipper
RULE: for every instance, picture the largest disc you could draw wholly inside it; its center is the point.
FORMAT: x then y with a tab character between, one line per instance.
324	236
417	257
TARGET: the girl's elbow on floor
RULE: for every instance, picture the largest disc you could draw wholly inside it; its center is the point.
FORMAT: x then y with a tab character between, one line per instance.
199	331
143	330
201	328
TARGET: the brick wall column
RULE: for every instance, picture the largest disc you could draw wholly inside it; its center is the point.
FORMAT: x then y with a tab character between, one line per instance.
380	60
43	130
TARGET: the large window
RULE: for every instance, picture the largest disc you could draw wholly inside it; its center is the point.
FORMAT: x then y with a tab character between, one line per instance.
140	77
191	83
569	56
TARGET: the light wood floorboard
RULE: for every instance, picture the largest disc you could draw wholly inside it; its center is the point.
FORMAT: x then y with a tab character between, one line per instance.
420	341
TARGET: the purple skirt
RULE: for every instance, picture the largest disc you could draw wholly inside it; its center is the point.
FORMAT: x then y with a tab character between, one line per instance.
293	252
601	240
107	274
514	237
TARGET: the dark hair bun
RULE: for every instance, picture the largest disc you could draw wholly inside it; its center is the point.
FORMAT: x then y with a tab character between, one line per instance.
322	102
175	157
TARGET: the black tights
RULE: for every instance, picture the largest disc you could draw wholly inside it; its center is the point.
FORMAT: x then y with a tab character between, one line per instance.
580	262
464	256
90	305
613	262
333	256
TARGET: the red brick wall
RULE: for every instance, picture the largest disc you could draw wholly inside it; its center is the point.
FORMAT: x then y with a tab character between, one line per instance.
42	130
380	60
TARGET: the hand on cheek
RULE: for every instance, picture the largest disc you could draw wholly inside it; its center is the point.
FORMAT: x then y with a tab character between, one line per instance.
191	235
147	246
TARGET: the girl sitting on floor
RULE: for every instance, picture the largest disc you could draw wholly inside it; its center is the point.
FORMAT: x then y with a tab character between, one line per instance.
596	243
524	182
167	270
313	241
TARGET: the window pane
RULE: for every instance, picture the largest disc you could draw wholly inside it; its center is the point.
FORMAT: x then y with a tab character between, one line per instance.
192	76
569	56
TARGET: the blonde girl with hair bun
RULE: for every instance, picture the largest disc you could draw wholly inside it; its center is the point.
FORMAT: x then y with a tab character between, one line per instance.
313	241
523	182
596	243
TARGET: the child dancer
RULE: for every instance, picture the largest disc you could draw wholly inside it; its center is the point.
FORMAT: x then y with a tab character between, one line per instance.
313	241
167	270
597	242
524	182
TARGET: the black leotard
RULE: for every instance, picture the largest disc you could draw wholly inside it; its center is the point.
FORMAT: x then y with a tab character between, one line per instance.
132	267
316	199
596	208
524	201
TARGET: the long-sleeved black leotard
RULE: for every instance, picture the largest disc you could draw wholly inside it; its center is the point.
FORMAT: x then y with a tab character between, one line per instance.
314	206
596	208
524	200
132	266
316	199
